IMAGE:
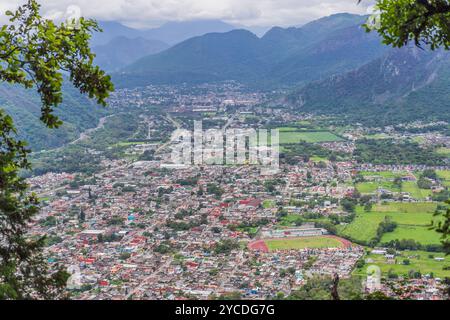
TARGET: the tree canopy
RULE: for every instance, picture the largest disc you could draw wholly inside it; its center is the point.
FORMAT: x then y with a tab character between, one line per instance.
37	53
424	22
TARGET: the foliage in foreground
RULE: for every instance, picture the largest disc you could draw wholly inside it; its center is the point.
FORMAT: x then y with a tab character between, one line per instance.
34	53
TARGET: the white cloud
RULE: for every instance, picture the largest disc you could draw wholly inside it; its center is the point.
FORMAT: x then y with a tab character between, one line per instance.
244	12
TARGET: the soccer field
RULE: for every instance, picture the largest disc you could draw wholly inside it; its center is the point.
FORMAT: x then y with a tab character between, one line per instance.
302	243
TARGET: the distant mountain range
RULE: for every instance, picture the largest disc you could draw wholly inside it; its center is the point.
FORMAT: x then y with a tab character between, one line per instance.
119	45
122	51
289	56
170	32
331	66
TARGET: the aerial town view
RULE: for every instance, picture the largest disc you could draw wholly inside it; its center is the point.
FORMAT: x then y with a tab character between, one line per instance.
226	155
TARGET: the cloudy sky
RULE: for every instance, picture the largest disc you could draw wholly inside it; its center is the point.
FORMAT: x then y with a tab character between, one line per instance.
151	13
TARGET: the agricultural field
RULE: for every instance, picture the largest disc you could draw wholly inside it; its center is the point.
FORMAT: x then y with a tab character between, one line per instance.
413	221
443	151
382	179
373	186
383	174
417	193
287	129
303	123
302	243
406	207
445	176
128	144
318	159
418	260
292	137
363	228
421	234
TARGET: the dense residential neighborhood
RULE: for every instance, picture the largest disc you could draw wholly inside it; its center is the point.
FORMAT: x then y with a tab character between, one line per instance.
143	228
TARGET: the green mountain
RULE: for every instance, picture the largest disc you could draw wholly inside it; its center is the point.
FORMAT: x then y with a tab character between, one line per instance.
213	57
78	113
403	85
282	57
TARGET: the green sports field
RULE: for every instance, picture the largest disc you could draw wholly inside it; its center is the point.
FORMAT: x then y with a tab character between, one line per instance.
302	243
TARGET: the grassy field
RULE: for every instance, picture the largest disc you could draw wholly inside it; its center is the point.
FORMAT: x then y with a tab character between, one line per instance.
303	122
419	261
417	193
423	235
318	159
383	174
267	204
411	187
127	144
413	221
444	175
290	219
418	139
444	151
302	243
287	129
288	137
407	207
363	228
372	187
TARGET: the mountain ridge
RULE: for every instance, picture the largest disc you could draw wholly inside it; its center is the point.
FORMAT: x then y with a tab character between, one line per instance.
411	81
274	59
